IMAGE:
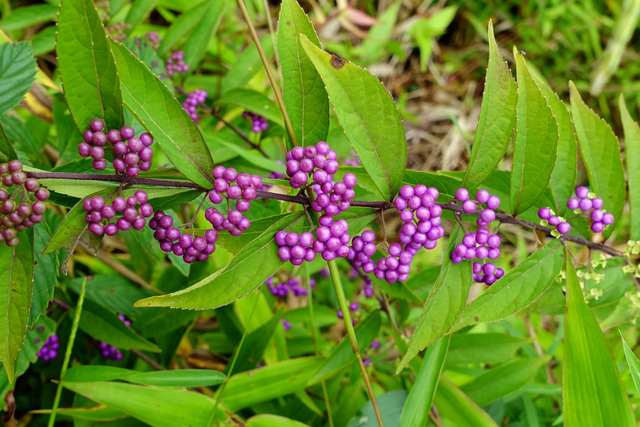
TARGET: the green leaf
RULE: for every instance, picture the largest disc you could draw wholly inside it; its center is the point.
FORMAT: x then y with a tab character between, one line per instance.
342	355
505	379
418	405
260	385
6	149
456	406
592	392
304	95
269	420
182	26
632	154
247	270
197	43
368	115
633	362
255	102
17	72
483	348
517	289
375	45
140	9
163	117
170	378
44	275
444	304
24	17
159	407
247	65
253	346
601	156
16	278
104	325
497	118
87	69
390	405
536	144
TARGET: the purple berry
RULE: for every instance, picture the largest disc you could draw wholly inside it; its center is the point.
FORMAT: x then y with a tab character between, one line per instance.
582	192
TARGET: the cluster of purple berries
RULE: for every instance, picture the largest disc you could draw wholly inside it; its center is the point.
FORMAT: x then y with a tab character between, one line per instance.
135	210
584	202
333	197
361	250
190	105
352	160
110	352
548	216
16	217
49	350
175	64
353	307
396	266
373	347
190	248
258	122
154	38
296	248
293	285
421	217
479	245
130	157
319	161
486	273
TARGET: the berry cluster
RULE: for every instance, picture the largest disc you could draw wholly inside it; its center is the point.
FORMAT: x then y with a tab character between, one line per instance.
586	202
487	273
14	216
182	244
49	350
130	157
319	160
135	210
353	307
175	64
333	197
190	105
396	266
258	122
352	160
293	285
332	241
361	250
154	38
110	352
549	218
296	248
421	217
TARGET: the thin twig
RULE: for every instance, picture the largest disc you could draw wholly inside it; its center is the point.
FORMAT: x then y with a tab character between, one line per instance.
124	271
155	365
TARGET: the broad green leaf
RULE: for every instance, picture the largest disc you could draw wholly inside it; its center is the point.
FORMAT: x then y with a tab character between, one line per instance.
305	97
368	115
156	406
247	271
483	348
342	355
457	407
182	26
497	118
390	405
27	16
169	378
87	69
536	142
502	380
16	279
255	102
632	155
418	405
247	65
592	391
517	289
260	385
601	156
563	177
196	45
6	149
44	275
140	9
444	304
269	420
163	117
633	362
17	72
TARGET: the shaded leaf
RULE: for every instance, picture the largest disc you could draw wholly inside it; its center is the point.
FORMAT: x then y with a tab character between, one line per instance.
17	72
44	275
140	10
27	16
247	65
182	26
483	348
632	155
198	41
6	149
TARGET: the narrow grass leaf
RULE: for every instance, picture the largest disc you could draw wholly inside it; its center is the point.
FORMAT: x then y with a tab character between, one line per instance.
170	378
592	391
87	68
140	9
159	112
269	420
182	26
497	118
247	65
17	72
633	362
304	94
27	16
198	41
255	102
491	347
632	154
368	115
457	407
601	156
536	143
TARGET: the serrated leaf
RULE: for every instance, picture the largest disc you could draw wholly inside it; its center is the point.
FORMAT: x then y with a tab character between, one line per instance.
592	391
86	64
17	72
16	278
632	155
163	117
255	102
198	41
536	143
497	118
444	304
249	269
601	156
304	95
368	115
517	289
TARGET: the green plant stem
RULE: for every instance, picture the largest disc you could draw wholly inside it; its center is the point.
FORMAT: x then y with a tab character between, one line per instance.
67	354
265	63
346	317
